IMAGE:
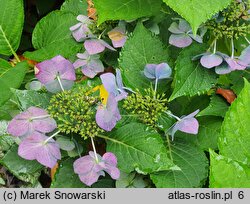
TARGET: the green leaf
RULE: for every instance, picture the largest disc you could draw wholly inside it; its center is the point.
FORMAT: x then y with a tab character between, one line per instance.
217	107
28	98
10	77
11	25
65	176
139	148
104	182
234	141
76	7
52	37
165	122
66	48
193	164
125	9
65	143
8	111
140	49
207	137
3	127
199	11
227	173
185	105
237	79
209	132
2	181
5	140
190	77
131	180
25	170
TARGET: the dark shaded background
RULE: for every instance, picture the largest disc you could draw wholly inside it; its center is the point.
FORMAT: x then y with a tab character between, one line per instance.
34	11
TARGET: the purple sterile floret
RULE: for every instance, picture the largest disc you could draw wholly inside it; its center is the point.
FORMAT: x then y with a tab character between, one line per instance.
109	163
95	46
33	119
209	60
113	84
157	71
223	69
108	115
182	35
118	37
35	147
90	65
187	124
180	40
234	63
80	31
89	169
56	74
244	58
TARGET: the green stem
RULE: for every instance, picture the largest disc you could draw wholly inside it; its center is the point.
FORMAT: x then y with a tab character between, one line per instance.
172	115
232	48
156	84
99	37
40	117
60	83
247	40
169	147
215	45
52	136
93	145
9	45
215	39
248	72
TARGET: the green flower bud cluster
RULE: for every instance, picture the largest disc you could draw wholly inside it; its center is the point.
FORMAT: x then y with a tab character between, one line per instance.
233	24
74	112
147	107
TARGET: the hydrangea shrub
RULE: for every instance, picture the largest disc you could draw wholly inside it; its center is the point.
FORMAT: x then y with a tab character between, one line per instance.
127	94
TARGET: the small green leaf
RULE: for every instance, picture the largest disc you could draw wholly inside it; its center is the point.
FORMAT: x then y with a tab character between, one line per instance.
11	25
139	148
52	37
199	11
25	170
227	173
28	98
234	141
10	77
191	78
125	9
193	164
140	49
76	7
65	143
217	107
